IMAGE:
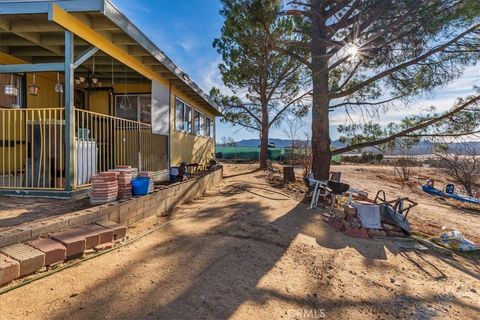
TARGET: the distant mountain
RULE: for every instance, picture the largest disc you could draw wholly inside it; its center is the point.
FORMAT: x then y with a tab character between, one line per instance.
423	147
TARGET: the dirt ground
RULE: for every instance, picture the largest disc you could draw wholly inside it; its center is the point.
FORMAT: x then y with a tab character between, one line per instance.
249	251
15	211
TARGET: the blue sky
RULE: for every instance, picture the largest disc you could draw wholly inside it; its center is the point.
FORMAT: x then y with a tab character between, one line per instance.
185	29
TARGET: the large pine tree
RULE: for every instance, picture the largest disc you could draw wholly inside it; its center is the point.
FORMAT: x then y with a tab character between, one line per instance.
266	83
365	53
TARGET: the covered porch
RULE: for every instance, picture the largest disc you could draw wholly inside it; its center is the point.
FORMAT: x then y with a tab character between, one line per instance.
82	91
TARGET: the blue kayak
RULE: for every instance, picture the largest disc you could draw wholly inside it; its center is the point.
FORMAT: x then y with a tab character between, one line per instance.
436	192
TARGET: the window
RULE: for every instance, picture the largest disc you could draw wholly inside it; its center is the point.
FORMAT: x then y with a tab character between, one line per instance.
199	124
16	100
202	125
134	107
209	127
188	118
196	122
183	116
179	124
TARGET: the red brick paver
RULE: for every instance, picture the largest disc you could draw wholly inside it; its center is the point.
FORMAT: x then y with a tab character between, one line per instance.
54	250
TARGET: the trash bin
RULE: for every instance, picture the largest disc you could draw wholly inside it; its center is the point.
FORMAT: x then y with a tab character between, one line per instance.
174	171
140	186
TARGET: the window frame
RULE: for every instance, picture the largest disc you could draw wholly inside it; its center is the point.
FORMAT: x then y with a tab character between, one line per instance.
136	103
197	126
185	124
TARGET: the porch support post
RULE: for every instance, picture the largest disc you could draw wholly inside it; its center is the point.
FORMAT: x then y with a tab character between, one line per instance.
69	111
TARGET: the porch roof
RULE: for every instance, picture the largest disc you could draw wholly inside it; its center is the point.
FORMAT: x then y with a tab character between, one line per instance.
29	31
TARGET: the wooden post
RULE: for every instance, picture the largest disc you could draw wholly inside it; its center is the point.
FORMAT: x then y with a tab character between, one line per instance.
288	174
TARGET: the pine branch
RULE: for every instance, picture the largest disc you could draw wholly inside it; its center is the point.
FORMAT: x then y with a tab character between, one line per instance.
348	103
408	131
404	65
279	113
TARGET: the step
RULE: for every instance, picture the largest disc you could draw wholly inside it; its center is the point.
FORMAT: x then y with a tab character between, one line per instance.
119	231
73	242
105	234
9	269
54	250
29	258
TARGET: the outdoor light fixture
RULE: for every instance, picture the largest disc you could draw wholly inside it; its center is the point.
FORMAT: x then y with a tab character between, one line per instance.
94	80
82	79
10	89
125	103
58	85
33	88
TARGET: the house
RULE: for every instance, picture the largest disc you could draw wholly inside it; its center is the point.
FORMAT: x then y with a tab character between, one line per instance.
83	90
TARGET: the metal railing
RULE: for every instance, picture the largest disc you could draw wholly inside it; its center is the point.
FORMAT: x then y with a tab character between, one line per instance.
106	141
32	152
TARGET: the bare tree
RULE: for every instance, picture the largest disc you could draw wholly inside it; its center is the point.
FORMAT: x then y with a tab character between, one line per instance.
461	163
291	128
228	142
304	154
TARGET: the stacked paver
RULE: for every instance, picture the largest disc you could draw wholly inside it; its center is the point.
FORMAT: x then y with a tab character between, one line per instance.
104	188
147	174
20	260
124	180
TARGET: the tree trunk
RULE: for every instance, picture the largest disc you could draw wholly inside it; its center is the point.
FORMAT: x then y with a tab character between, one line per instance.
321	153
288	174
264	146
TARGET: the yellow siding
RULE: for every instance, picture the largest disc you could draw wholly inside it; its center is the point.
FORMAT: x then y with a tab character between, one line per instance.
47	97
98	102
186	146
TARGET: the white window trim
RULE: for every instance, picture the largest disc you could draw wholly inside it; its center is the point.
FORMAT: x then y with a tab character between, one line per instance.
192	131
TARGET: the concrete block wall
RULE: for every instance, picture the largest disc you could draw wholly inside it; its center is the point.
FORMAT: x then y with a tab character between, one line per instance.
160	202
164	200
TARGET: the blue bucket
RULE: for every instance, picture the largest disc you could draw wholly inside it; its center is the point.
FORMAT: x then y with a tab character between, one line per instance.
140	186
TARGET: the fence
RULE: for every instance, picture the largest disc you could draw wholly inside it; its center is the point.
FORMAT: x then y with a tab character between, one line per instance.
32	152
252	153
114	141
31	144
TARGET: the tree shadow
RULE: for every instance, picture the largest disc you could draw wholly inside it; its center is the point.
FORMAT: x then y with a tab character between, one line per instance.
36	209
212	271
242	173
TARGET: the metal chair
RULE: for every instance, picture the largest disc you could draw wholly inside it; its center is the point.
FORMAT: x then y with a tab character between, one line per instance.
336	188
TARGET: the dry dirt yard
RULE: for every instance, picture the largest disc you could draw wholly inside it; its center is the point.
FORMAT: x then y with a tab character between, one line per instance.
432	213
250	251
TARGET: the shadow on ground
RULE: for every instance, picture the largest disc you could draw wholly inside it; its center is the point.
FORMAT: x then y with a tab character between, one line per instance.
212	271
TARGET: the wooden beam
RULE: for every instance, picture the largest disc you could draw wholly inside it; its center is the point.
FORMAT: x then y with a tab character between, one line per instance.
8	59
9	26
138	51
76	26
123	39
84	56
20	26
30	52
103	24
37	67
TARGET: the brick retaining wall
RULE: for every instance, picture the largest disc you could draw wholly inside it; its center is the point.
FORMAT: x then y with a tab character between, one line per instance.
160	202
